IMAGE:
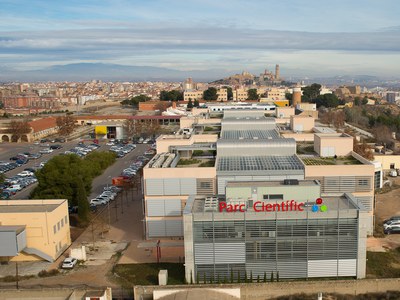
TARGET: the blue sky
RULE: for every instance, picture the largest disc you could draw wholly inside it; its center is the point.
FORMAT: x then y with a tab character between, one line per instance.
307	38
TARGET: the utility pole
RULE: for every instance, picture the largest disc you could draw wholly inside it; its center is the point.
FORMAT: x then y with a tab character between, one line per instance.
16	274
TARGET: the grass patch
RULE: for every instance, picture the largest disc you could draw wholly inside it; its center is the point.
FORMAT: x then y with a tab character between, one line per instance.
209	163
383	264
147	274
185	162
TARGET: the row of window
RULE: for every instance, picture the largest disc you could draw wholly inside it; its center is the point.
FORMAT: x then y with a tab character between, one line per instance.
60	224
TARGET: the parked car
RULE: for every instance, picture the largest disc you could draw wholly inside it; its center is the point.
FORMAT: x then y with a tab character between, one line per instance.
392	229
25	173
56	146
97	201
46	151
69	263
393	218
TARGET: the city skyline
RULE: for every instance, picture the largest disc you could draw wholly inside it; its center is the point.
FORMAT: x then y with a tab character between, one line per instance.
318	39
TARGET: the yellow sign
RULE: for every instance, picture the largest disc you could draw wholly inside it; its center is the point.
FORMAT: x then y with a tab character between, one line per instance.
100	129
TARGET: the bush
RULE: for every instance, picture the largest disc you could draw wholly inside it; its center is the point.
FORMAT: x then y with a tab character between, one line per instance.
52	272
198	152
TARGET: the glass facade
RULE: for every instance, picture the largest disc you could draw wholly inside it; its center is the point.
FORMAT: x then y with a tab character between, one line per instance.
296	248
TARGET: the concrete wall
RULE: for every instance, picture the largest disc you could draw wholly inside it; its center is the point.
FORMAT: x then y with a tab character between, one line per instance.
387	160
165	141
262	291
342	144
301	123
298	192
284	112
300	137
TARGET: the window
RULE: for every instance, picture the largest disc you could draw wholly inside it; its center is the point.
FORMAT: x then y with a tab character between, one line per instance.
58	226
363	182
62	222
66	220
205	185
273	197
54	229
392	166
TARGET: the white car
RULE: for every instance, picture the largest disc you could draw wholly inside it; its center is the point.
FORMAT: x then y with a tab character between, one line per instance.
97	201
69	263
25	174
46	151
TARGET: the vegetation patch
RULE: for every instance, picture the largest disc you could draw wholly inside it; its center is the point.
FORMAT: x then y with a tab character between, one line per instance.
147	274
52	272
383	264
70	177
185	162
206	164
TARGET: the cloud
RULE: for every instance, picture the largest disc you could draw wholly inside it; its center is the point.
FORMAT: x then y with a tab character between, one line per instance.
192	47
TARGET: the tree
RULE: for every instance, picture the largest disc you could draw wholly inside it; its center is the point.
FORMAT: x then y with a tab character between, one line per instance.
18	129
357	101
229	92
66	125
338	119
134	101
190	104
311	92
210	94
173	95
364	101
363	149
196	103
289	96
81	198
129	128
252	94
327	100
62	176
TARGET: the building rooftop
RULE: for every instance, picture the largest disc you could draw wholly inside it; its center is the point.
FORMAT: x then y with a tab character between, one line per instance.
314	160
249	134
8	209
259	163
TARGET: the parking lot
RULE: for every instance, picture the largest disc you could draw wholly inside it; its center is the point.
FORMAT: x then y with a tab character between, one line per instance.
9	150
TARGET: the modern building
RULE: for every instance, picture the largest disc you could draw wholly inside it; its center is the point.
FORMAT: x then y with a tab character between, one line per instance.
255	206
282	228
33	230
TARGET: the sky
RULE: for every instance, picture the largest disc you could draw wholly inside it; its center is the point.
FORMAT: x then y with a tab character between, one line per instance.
306	38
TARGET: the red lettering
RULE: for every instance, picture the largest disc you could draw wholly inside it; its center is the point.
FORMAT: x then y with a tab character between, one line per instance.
255	206
242	207
222	206
268	207
300	206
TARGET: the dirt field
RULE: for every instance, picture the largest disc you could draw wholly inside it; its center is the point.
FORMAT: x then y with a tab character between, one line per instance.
386	205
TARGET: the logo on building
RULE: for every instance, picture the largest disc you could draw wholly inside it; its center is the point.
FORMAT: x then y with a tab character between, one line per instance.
319	206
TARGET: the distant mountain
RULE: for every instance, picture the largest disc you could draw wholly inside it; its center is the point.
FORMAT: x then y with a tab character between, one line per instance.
108	72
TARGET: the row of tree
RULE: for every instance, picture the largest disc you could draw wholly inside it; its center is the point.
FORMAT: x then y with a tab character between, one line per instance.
134	101
70	177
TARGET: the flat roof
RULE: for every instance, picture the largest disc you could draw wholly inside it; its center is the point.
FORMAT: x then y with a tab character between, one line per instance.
33	208
250	134
270	183
15	228
259	163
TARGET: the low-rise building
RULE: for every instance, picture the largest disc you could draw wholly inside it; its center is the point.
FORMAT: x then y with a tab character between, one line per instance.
33	230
